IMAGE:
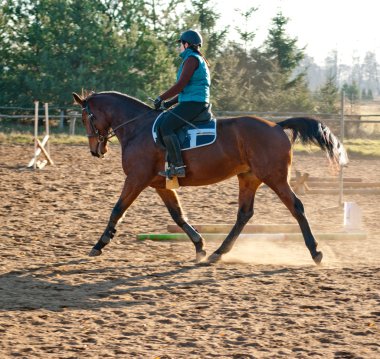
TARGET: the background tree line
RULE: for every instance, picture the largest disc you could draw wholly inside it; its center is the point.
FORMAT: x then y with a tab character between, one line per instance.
49	48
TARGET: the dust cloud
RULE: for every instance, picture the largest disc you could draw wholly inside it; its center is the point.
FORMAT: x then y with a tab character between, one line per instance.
277	252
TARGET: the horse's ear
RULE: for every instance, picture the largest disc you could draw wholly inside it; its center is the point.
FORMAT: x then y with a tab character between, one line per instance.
77	99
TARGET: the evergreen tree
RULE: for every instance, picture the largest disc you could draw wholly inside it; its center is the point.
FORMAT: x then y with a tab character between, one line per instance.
229	91
364	94
280	47
331	66
328	96
203	17
356	73
369	70
290	88
58	47
263	79
351	92
246	36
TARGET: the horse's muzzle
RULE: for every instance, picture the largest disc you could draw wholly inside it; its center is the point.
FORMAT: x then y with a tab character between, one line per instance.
96	154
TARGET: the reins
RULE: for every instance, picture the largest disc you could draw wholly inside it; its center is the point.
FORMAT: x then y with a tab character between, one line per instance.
112	132
178	116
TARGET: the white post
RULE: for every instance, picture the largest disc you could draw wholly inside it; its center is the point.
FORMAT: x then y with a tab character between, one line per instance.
35	133
341	184
73	121
352	220
62	120
47	125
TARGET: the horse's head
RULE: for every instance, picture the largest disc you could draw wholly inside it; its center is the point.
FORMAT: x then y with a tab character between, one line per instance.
95	124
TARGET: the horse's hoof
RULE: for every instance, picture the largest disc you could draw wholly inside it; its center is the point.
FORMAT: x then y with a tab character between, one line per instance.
200	256
318	258
214	258
95	252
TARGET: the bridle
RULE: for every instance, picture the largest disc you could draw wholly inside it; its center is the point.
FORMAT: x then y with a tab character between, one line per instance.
91	117
111	132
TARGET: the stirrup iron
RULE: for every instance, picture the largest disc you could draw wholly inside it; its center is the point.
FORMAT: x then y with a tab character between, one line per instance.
173	171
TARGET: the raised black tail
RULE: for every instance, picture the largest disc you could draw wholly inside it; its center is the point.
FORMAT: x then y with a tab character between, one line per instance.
312	131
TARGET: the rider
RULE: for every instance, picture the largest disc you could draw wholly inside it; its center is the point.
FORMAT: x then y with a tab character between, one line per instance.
191	92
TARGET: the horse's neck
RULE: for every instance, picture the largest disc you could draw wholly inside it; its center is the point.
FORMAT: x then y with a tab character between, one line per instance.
129	121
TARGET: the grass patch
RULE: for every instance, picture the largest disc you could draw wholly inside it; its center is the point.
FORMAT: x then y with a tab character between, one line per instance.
24	138
363	147
71	140
359	147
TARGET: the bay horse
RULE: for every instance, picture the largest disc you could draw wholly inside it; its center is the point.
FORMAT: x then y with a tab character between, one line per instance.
253	149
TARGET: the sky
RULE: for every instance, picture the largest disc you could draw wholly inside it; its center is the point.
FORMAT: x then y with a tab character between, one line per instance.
351	28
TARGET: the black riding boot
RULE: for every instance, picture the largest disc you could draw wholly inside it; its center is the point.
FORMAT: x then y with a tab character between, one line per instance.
176	165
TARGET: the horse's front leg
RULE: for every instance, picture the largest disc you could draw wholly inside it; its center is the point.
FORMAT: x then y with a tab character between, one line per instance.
173	205
131	190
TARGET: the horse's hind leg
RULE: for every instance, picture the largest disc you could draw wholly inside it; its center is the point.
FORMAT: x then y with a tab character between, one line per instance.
248	185
173	205
295	206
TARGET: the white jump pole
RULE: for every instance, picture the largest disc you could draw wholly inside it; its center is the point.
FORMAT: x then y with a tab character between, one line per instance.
35	133
47	126
341	140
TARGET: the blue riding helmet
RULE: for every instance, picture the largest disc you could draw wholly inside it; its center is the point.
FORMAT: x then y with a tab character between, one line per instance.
192	37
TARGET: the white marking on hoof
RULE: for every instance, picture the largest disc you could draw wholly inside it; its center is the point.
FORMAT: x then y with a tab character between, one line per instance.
94	252
200	256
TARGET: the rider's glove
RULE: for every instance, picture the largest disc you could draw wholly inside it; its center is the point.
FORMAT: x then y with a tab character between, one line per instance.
165	105
157	103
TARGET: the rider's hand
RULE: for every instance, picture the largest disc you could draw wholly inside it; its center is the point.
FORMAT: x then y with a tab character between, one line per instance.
165	105
157	103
